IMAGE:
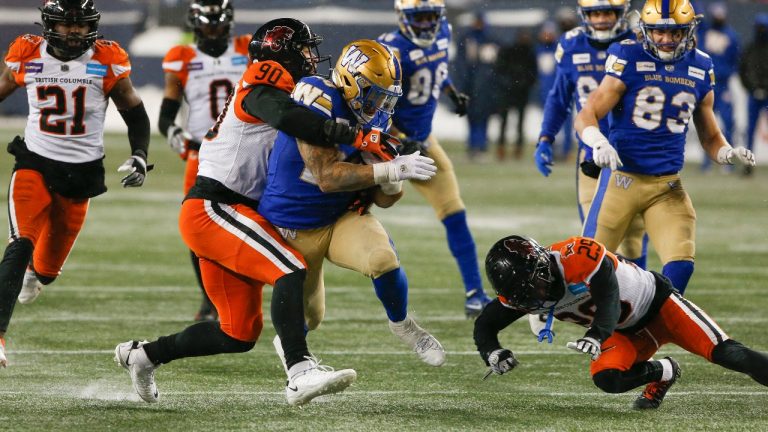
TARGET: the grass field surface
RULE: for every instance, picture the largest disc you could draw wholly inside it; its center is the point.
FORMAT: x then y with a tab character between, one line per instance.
129	277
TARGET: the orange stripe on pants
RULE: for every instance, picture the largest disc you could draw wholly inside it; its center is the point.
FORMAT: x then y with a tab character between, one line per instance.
679	322
239	252
50	221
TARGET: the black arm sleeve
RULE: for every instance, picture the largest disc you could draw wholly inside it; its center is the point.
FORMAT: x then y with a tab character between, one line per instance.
494	318
277	109
604	288
138	129
168	110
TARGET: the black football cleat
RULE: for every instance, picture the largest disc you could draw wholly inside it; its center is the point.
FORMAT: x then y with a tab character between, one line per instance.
654	392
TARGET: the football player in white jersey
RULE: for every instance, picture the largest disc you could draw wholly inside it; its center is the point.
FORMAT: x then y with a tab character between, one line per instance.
202	75
629	314
239	250
69	74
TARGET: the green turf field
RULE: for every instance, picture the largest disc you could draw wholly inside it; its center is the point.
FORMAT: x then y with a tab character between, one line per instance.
129	277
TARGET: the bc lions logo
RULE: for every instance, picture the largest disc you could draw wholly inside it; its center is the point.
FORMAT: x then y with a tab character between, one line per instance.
278	37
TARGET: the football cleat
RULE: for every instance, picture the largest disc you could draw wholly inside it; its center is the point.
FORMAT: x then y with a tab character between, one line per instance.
422	343
3	358
132	357
309	379
30	288
654	392
475	302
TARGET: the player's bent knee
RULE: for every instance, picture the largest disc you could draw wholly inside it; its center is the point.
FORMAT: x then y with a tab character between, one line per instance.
609	381
382	260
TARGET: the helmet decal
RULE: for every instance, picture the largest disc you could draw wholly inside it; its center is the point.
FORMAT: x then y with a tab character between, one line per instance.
278	38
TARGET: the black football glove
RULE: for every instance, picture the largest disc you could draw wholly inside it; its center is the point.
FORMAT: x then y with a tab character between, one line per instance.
408	146
501	361
460	101
137	169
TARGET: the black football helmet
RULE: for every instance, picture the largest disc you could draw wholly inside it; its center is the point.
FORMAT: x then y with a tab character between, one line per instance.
283	40
69	46
520	271
212	22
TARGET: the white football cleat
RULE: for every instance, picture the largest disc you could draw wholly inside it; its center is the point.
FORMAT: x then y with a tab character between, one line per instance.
31	287
278	344
309	379
424	344
132	357
3	358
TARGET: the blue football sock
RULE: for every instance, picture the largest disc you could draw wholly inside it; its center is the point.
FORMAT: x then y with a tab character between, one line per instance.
392	290
679	272
463	249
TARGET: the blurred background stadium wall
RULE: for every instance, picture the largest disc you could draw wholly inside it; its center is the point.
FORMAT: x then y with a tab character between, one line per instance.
148	28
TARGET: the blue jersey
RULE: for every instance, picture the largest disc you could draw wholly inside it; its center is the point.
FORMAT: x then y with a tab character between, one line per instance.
580	68
292	198
650	122
425	74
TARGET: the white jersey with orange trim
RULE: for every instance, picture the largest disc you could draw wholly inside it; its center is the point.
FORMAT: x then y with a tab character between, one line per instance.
67	99
578	259
207	80
235	150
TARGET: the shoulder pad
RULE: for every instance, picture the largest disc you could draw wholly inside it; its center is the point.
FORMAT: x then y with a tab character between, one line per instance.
573	33
269	73
109	52
22	48
314	93
177	57
241	44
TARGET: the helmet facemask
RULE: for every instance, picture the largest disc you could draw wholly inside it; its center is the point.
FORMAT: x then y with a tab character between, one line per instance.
678	49
372	100
211	22
71	45
421	25
605	34
520	271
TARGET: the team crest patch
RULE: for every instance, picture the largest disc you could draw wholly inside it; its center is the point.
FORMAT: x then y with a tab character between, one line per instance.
669	68
646	66
195	66
96	69
31	68
601	55
696	72
582	58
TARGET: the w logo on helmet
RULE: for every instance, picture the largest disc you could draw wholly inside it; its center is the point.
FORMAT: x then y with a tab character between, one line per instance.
353	59
278	38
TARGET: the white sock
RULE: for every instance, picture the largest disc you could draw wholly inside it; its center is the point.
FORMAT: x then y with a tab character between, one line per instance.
299	367
666	375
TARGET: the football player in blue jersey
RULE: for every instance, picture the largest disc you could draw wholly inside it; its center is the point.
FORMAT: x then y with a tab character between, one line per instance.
753	70
721	42
580	57
311	195
421	44
653	88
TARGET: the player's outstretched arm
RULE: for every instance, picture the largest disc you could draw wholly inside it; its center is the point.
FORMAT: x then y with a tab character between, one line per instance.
131	108
7	83
712	139
179	139
599	104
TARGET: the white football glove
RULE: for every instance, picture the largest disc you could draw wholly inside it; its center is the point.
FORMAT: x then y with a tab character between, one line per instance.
587	345
605	155
178	138
729	155
502	361
404	167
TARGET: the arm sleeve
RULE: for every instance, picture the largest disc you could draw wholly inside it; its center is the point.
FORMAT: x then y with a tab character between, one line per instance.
277	109
604	288
558	105
138	129
495	317
168	110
